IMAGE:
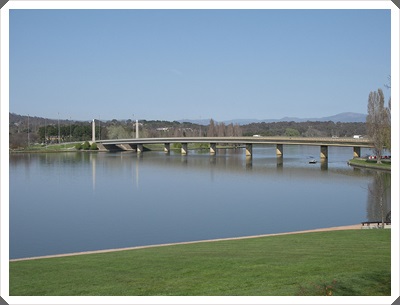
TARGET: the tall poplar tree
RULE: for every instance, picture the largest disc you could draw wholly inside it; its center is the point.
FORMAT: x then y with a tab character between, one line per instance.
378	122
211	129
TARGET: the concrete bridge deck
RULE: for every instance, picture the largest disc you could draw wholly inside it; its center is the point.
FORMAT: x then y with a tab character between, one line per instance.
137	143
349	142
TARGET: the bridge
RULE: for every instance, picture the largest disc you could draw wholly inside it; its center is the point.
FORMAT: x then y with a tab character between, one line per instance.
248	142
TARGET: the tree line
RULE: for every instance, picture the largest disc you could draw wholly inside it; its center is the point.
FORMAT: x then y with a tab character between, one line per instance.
46	131
306	129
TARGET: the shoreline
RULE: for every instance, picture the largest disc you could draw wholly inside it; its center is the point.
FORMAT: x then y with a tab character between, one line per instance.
339	228
368	165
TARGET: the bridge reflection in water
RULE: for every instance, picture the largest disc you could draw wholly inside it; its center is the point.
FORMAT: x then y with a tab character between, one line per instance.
227	159
232	160
153	198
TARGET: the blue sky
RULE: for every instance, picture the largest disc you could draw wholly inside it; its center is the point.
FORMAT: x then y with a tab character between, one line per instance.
196	64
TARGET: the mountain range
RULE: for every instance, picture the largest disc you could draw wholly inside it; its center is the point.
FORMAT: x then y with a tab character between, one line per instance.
344	117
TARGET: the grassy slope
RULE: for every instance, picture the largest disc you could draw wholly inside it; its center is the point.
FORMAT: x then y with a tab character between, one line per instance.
354	262
370	164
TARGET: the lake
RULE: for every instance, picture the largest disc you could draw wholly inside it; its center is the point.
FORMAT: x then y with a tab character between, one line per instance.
77	201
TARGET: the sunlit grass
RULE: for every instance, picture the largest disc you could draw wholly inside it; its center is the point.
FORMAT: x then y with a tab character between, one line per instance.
353	262
370	163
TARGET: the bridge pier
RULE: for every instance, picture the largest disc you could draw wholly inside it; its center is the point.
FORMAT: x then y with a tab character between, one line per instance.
108	147
249	150
324	152
213	148
101	147
184	149
279	150
127	147
167	148
356	152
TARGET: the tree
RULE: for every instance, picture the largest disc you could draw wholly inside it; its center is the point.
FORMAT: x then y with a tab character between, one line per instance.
211	129
389	85
93	146
221	130
378	122
86	145
230	130
388	126
291	132
389	110
117	132
237	131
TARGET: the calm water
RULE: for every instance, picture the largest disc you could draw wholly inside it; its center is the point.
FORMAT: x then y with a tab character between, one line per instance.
71	202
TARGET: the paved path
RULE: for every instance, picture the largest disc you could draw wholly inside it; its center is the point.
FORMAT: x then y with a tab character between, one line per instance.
350	227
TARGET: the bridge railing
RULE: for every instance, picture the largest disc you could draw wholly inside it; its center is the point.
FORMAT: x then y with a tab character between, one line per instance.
247	140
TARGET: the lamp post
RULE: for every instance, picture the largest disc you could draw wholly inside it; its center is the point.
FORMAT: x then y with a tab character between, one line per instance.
28	130
93	131
137	127
70	130
45	132
133	124
59	139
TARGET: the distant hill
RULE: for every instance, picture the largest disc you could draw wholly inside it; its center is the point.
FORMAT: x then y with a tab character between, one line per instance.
345	117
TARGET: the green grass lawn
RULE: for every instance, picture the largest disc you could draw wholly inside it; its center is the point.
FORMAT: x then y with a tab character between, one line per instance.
371	163
353	262
48	148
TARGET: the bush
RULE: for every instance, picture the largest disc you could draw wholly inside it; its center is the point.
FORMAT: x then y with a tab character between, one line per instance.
78	146
93	146
86	146
291	132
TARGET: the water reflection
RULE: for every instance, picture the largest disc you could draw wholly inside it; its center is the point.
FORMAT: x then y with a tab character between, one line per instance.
86	201
324	165
249	162
279	162
93	161
379	199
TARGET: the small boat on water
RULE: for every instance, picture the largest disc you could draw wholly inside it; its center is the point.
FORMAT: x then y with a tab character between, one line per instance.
312	161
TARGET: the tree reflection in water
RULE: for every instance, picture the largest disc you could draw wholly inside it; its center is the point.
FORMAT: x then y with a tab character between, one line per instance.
379	201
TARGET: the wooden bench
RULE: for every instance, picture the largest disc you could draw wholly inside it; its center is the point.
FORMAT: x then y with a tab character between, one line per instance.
377	223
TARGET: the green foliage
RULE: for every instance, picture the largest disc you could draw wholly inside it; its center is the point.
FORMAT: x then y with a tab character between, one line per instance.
68	132
118	132
203	145
78	146
291	132
86	145
93	146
